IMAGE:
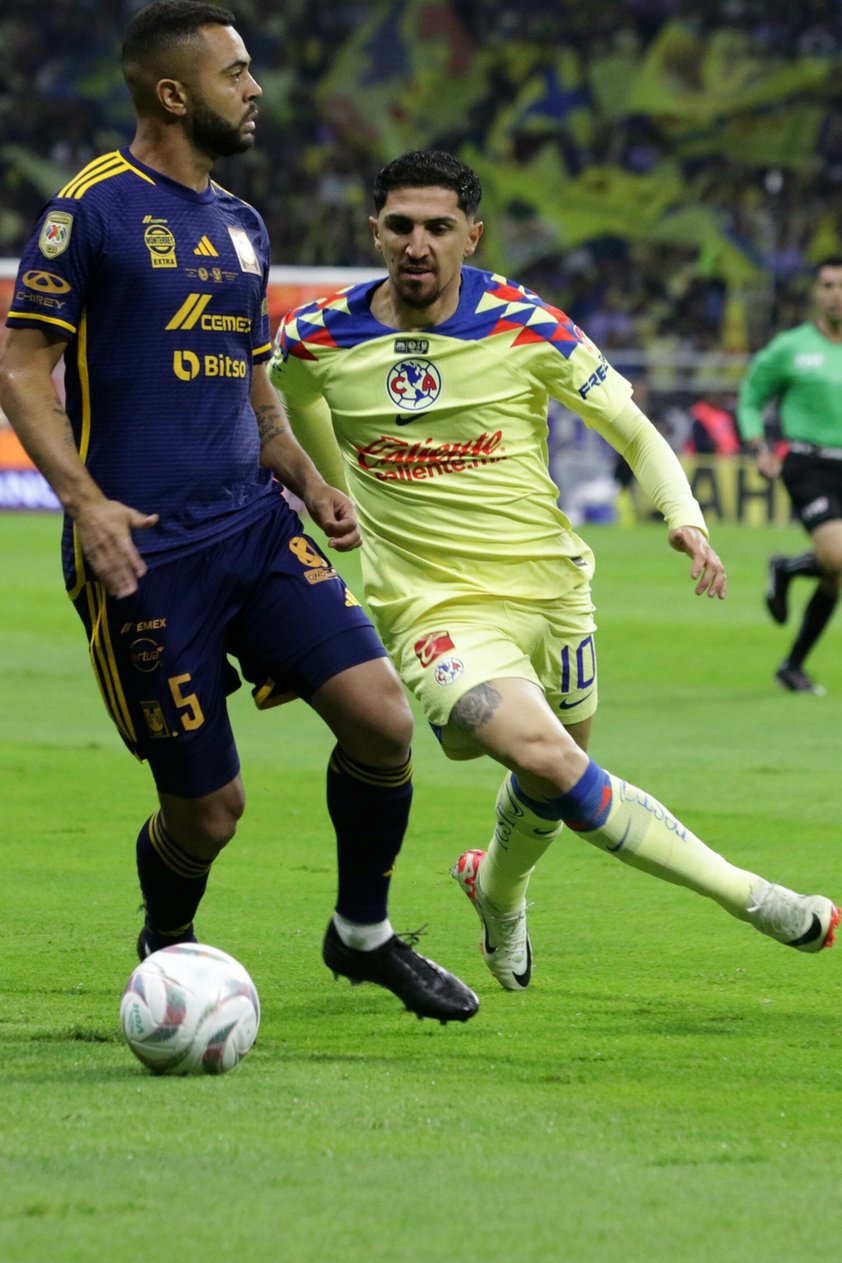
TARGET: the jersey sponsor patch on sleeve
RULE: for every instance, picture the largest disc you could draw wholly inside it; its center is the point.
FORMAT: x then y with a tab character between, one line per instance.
55	234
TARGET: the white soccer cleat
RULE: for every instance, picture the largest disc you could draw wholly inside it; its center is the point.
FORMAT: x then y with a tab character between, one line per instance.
805	922
505	944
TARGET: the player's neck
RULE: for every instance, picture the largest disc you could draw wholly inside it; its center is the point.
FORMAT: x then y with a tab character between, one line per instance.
171	154
389	310
832	329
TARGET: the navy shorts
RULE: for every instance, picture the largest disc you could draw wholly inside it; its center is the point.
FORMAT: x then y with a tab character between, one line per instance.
266	597
814	485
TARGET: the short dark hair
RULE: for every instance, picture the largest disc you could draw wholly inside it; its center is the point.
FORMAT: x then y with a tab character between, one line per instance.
429	168
832	261
157	30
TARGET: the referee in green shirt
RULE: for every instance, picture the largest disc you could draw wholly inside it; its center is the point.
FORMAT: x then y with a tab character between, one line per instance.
802	371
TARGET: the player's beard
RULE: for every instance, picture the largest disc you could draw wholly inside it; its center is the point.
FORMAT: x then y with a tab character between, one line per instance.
417	296
213	135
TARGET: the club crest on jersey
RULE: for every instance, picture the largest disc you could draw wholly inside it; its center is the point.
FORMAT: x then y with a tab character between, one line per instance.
448	671
413	384
432	646
155	721
55	234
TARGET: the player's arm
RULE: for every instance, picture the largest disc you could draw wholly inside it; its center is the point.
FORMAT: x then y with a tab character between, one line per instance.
309	416
762	383
329	507
29	400
659	472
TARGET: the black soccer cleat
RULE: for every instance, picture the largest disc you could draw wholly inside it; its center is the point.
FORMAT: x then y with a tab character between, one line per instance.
777	588
424	987
795	680
148	941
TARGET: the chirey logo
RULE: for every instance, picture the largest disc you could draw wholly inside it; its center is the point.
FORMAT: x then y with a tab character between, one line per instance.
413	384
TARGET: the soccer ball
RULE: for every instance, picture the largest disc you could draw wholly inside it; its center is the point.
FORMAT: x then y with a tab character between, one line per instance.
190	1009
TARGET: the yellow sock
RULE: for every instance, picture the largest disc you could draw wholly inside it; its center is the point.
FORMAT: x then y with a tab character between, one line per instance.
520	839
642	833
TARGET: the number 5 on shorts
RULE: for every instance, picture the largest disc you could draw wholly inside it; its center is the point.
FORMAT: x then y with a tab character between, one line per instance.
188	703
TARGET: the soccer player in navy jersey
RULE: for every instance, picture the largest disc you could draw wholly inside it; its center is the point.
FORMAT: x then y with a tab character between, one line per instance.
178	548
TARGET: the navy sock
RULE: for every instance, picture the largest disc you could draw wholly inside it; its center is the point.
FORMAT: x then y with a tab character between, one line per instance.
171	881
369	808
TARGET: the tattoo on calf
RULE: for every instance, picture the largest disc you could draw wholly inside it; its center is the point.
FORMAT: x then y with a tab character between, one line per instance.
475	708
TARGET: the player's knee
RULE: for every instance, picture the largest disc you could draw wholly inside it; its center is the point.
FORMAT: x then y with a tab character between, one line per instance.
390	738
204	826
219	827
383	732
547	768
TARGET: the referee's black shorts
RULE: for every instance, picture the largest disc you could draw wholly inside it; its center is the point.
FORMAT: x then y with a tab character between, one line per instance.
813	480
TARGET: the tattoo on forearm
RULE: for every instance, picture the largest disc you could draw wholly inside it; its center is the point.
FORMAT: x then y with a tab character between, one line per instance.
270	423
475	708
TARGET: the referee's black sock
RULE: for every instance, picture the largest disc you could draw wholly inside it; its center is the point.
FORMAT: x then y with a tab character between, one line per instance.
804	563
816	616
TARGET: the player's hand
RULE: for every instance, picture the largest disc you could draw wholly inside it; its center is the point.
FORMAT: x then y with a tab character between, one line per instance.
105	534
334	512
768	465
707	569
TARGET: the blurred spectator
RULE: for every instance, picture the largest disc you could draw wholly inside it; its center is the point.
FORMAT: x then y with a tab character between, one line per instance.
713	429
667	175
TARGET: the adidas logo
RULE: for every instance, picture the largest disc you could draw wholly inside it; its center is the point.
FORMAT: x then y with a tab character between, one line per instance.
207	248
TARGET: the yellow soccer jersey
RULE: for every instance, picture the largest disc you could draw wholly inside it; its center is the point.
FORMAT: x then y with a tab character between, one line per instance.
442	439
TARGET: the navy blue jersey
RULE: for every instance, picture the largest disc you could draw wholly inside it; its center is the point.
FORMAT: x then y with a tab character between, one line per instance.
160	292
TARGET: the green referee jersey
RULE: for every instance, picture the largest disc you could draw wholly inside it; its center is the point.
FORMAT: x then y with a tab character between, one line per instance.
802	370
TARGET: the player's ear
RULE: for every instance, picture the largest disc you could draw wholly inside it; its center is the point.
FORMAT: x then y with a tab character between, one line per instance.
375	232
172	95
474	233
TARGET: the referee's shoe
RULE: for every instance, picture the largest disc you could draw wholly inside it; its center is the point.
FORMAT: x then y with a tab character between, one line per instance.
796	680
777	588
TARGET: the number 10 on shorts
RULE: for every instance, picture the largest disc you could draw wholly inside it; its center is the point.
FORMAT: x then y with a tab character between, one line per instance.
578	666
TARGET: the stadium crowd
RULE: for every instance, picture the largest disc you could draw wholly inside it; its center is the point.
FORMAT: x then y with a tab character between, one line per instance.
666	171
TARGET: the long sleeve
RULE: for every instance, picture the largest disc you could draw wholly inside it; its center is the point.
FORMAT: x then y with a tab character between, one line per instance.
309	416
655	466
763	382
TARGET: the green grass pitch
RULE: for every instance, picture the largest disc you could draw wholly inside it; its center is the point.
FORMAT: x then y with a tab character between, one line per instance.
669	1088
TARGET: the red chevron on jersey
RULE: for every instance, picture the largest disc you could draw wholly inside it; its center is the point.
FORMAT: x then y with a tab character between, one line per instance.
316	335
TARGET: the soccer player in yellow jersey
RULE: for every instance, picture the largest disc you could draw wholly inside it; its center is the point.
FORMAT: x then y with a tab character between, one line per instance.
425	393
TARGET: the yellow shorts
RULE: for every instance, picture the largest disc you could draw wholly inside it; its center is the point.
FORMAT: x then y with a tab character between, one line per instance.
461	645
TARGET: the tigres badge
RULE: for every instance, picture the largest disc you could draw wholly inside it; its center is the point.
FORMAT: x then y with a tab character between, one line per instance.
55	234
155	721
